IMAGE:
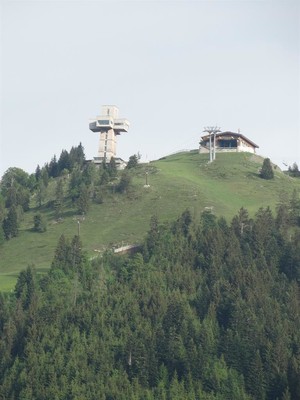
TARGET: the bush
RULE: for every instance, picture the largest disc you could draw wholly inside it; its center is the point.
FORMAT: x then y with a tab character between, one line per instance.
124	183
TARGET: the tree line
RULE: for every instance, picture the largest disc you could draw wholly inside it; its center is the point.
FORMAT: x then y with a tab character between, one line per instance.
67	181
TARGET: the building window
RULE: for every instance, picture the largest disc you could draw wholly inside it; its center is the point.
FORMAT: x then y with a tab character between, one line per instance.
228	143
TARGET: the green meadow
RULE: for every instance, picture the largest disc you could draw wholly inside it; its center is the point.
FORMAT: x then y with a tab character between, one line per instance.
177	182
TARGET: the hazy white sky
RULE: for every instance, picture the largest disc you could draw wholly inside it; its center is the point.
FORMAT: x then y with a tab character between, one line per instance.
172	67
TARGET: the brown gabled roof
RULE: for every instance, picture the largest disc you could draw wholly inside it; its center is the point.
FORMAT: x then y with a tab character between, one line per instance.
233	135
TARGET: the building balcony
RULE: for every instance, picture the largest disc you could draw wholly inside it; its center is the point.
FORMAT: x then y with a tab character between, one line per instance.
121	125
93	126
103	124
120	128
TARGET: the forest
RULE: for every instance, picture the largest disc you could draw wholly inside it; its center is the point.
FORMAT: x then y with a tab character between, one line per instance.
207	309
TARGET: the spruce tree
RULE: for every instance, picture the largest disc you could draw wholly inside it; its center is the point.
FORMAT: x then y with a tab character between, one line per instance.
75	182
40	192
255	377
2	236
83	199
10	224
294	170
124	183
132	162
266	171
77	155
45	175
282	213
59	199
77	257
2	216
112	168
53	167
39	223
37	172
62	255
294	208
64	161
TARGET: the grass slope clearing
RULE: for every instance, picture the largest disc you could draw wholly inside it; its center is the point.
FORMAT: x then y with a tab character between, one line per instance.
177	182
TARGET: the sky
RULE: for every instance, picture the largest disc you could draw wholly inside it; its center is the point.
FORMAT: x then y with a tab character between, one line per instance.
171	67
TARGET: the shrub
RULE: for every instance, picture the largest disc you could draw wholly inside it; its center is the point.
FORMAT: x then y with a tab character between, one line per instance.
124	183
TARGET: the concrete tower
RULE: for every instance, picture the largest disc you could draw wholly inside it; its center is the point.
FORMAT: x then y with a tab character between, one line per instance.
109	126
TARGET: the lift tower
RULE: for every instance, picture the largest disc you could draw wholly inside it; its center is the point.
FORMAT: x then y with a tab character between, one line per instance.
212	149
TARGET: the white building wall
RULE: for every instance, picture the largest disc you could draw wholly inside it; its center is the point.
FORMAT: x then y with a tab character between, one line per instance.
203	150
107	145
243	146
111	111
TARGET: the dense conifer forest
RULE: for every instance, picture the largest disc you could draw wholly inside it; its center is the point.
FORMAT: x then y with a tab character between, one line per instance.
207	309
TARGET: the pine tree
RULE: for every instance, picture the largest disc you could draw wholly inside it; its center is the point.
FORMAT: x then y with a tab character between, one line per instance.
184	222
62	255
2	216
10	224
241	224
39	223
77	156
177	391
286	395
40	192
132	162
2	235
75	182
83	199
104	176
11	195
263	229
208	220
124	183
59	199
53	167
112	168
152	237
26	286
293	376
64	162
89	174
37	173
23	198
256	378
266	171
294	170
45	175
294	207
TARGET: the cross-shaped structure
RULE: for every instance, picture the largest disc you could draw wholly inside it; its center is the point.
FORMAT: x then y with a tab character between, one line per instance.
109	126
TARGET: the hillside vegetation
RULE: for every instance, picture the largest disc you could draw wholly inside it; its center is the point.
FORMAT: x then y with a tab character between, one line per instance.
178	182
207	310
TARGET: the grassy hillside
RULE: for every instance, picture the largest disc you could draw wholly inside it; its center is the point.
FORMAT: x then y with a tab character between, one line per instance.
177	182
